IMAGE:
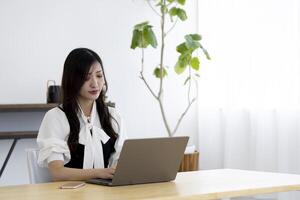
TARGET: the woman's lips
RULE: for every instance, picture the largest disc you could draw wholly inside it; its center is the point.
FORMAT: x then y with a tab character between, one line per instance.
93	92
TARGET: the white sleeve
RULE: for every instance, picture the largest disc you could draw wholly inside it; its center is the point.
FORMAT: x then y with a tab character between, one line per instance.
119	127
52	138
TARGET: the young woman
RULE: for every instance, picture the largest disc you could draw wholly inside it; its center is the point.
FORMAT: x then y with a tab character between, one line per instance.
81	139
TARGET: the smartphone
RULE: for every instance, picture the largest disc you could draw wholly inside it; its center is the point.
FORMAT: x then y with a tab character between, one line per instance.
72	185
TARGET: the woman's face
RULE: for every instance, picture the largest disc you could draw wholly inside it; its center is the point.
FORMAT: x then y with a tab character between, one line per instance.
93	84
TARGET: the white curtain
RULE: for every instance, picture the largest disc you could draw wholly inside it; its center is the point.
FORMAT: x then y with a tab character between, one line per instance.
249	93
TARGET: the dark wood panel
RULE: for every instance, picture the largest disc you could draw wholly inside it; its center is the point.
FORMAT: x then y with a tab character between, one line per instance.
26	107
18	134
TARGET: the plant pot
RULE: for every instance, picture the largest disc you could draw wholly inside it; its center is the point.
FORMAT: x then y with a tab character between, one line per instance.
190	162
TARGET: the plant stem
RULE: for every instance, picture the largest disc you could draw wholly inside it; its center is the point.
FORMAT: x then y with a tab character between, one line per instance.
196	85
143	78
150	5
164	117
160	93
162	48
182	115
147	85
174	24
189	88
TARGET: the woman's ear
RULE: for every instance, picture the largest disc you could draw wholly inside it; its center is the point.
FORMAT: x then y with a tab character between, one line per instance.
104	88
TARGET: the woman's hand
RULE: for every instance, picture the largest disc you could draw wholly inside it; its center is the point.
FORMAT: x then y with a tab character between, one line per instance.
61	173
105	173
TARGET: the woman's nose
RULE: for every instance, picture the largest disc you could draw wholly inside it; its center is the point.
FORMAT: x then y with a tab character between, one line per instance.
94	82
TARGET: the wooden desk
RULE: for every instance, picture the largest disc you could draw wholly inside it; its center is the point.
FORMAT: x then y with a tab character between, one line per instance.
206	184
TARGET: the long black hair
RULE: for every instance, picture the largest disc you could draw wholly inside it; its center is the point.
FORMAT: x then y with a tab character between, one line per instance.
76	68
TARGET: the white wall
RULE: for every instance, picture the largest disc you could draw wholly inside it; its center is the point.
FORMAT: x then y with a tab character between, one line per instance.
35	38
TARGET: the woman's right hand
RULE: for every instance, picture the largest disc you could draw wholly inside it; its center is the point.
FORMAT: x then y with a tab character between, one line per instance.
105	173
60	173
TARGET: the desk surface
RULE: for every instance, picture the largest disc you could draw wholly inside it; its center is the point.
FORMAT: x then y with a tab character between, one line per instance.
206	184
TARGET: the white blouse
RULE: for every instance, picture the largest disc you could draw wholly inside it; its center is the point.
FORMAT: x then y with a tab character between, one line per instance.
54	132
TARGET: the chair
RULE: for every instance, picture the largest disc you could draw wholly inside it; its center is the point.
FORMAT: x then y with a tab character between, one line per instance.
37	174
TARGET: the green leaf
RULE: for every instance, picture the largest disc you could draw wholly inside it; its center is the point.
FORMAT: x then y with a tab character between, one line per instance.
186	80
158	4
181	14
143	43
190	43
195	63
157	72
143	36
170	1
164	9
179	67
182	48
173	11
149	36
185	59
141	26
182	2
136	36
182	63
196	37
161	2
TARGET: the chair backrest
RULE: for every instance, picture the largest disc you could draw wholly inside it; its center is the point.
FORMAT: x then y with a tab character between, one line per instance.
37	174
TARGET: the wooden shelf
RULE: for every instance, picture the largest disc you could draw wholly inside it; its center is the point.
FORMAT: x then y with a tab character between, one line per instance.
26	107
18	134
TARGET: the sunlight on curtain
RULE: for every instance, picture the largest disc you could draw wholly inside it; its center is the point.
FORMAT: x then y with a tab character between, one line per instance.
254	46
249	93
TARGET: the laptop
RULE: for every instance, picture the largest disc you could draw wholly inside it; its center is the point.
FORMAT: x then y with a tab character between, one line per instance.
148	160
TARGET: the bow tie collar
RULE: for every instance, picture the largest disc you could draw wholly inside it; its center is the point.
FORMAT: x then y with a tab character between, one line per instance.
91	135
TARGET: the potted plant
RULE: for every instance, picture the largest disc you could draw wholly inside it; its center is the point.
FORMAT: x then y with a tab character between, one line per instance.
187	64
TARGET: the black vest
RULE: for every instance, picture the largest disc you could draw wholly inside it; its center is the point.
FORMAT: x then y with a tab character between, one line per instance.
78	155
